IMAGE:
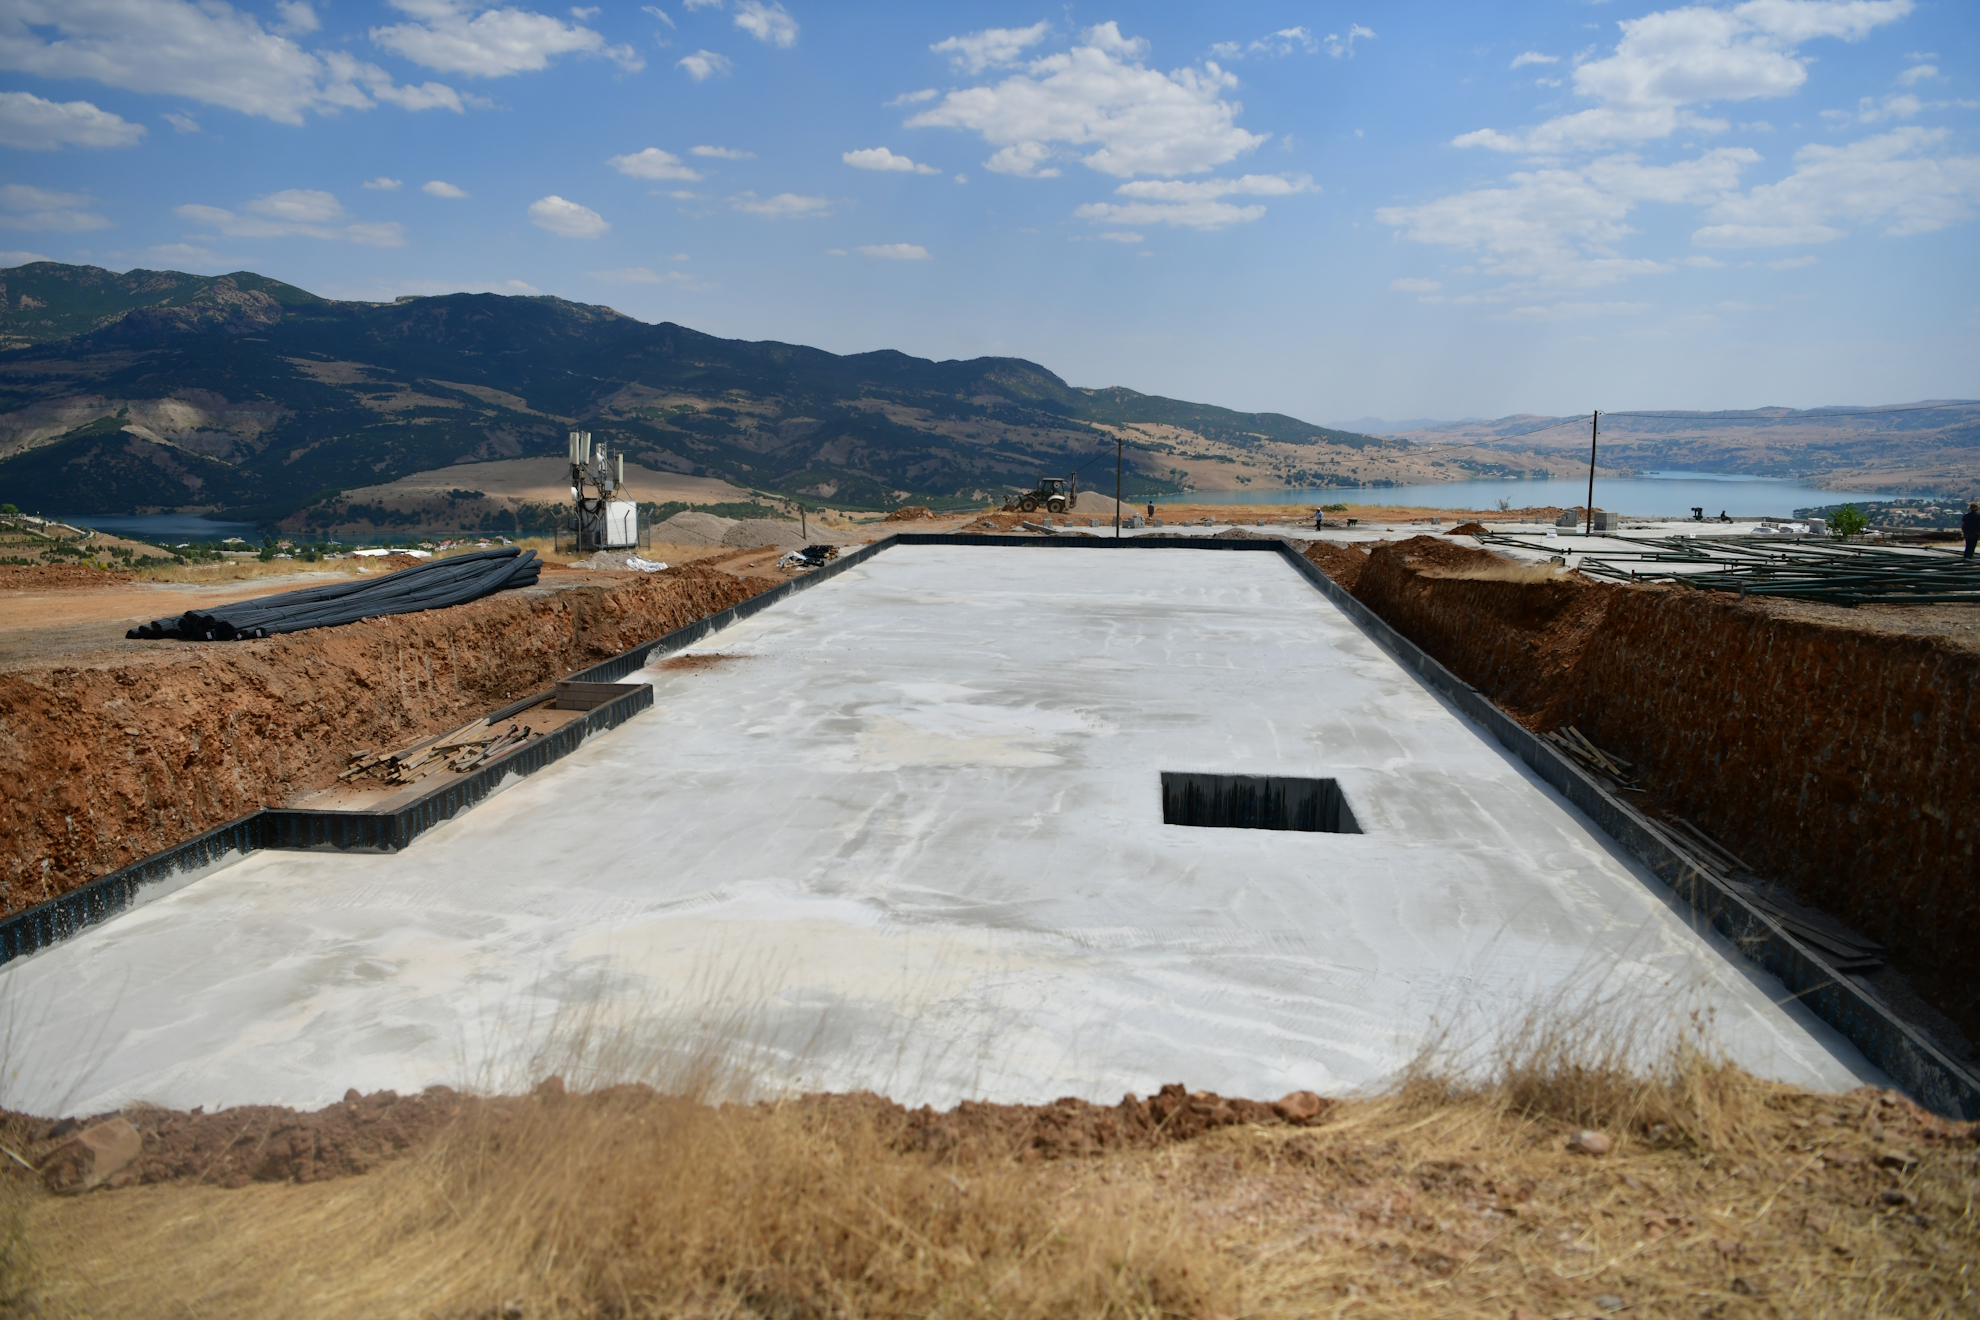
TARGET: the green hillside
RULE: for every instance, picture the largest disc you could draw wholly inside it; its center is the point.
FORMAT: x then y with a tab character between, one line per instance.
241	393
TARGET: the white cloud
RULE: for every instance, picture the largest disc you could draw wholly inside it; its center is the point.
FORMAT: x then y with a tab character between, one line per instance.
1344	49
1533	57
771	22
653	163
1120	236
722	153
895	251
585	13
701	4
20	258
1190	215
1281	42
208	52
1677	58
294	213
1918	73
32	124
990	48
1898	105
1887	179
566	219
441	188
1576	311
182	123
297	17
1192	203
641	275
449	36
1794	263
784	206
1415	286
25	207
383	184
705	64
658	13
880	158
1192	190
303	206
184	256
1560	227
1100	99
911	98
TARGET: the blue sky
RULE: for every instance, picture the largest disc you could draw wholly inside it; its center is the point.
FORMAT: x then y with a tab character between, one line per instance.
1328	210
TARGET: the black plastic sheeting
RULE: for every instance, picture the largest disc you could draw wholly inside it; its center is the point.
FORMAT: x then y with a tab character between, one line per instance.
432	586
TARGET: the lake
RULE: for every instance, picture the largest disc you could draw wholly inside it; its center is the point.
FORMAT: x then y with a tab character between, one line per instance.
163	528
1672	494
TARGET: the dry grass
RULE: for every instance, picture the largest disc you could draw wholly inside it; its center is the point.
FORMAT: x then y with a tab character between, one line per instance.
1724	1195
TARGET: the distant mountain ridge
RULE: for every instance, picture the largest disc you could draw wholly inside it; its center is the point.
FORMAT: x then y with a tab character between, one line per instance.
1929	447
160	390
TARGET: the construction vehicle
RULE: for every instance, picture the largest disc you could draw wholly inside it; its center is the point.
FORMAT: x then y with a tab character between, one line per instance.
1054	495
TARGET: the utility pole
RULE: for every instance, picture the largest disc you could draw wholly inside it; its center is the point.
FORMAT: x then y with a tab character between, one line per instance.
1594	428
1119	442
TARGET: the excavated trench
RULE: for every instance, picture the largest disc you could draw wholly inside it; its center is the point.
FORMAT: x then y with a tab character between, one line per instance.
104	763
1841	760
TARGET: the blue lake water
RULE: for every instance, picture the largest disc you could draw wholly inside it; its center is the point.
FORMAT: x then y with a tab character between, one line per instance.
164	527
1672	494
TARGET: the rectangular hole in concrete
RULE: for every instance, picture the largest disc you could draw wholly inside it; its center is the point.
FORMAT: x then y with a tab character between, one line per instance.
1256	802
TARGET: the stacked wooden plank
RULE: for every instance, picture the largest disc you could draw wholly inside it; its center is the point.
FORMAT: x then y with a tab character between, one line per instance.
1606	764
1845	949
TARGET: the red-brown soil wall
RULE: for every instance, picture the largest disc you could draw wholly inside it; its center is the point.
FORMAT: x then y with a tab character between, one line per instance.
101	764
1844	762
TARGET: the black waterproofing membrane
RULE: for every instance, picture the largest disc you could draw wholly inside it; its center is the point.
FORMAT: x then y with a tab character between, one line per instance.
430	586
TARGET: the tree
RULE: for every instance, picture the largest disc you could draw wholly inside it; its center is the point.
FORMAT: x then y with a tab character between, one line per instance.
1849	521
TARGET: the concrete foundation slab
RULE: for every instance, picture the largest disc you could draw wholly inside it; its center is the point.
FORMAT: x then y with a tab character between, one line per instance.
904	832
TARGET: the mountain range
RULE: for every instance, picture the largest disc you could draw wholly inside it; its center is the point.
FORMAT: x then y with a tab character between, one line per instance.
158	390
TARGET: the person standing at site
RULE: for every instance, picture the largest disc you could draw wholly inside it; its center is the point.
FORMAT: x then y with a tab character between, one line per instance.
1970	525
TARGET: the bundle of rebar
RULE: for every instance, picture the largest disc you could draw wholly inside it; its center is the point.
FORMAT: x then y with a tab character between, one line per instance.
1837	573
430	586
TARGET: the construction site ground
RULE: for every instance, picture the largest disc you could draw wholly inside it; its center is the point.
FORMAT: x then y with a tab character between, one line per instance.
1718	1196
1723	1196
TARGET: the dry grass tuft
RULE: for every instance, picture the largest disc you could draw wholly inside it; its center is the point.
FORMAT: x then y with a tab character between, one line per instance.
1455	1194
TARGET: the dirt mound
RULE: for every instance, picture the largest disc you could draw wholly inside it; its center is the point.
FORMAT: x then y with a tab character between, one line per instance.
1421	552
253	1143
691	528
1467	529
18	577
752	532
910	513
1343	563
106	763
269	1143
1092	501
